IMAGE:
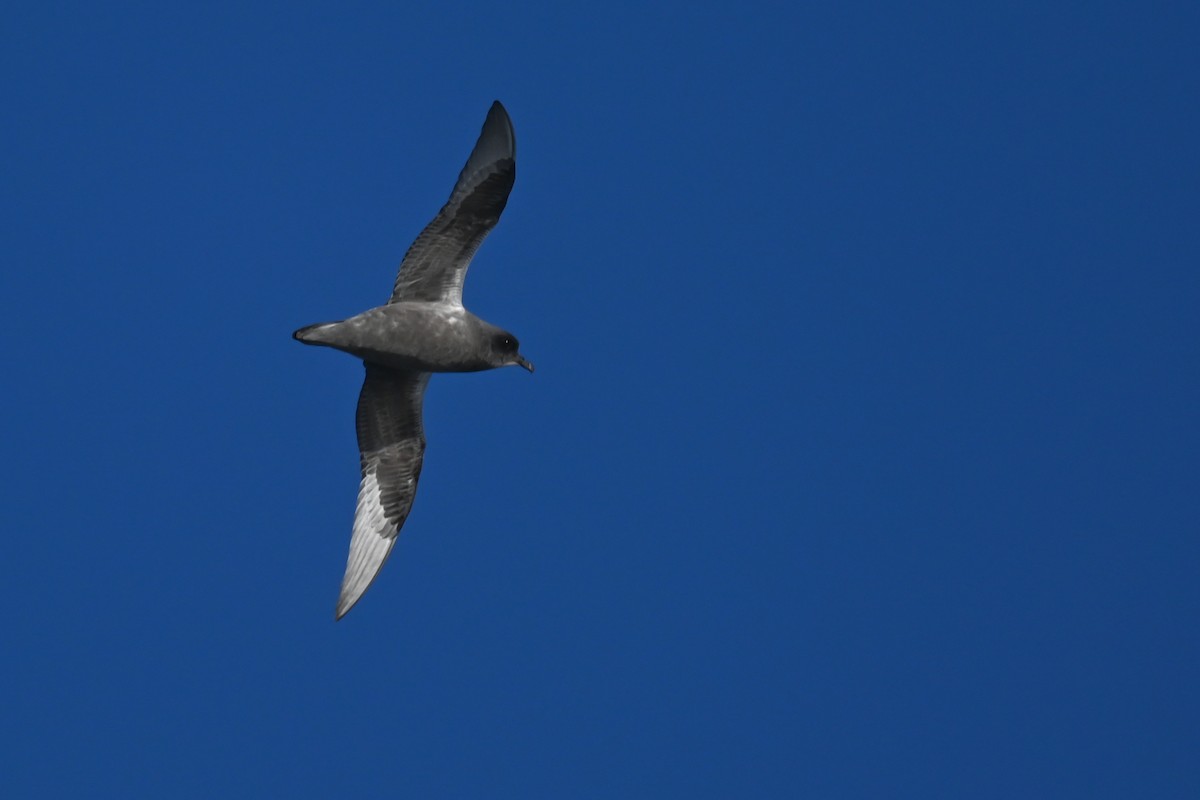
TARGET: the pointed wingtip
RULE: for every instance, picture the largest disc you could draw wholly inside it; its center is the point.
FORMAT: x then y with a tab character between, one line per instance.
367	557
370	545
345	602
498	129
356	583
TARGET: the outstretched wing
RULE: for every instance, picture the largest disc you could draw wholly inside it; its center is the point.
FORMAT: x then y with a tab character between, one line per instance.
436	264
391	444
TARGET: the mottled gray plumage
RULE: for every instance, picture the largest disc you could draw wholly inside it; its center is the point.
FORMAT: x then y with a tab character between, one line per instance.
423	329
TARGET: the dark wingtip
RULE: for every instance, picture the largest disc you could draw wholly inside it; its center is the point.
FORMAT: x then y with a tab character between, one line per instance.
498	110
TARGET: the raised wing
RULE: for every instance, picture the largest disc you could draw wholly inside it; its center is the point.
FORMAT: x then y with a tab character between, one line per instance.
391	444
435	265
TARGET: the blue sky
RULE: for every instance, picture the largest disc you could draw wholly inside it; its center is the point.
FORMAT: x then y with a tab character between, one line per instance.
861	459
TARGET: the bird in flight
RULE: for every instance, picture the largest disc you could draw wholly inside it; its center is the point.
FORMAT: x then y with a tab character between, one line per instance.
422	329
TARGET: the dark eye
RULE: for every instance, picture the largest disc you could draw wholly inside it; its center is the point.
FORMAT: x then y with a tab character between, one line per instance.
506	343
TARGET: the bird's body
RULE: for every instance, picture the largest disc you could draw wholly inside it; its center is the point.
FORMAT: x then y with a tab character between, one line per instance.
423	329
433	337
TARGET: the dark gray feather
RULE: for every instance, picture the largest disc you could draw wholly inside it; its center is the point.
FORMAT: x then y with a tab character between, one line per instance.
391	443
436	264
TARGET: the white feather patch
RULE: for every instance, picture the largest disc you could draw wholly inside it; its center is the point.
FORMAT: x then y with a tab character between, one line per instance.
370	544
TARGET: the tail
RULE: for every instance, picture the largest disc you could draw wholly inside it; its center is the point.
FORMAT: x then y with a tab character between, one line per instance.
312	334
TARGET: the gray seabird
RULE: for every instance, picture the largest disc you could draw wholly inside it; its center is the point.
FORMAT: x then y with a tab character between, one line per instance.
422	329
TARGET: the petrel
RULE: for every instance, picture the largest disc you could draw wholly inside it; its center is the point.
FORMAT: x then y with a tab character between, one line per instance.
423	329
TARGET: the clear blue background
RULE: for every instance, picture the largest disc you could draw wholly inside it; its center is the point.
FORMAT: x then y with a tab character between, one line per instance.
862	459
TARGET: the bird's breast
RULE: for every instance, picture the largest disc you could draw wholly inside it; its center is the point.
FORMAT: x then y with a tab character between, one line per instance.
420	336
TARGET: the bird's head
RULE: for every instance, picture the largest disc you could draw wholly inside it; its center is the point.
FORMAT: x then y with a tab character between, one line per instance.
505	349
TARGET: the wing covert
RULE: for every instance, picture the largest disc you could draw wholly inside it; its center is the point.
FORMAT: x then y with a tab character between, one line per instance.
391	443
435	265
